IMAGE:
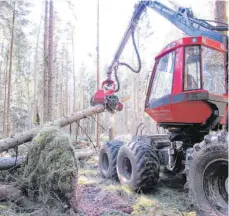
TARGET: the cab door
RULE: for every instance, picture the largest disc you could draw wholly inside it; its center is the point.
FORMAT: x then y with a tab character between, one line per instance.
160	88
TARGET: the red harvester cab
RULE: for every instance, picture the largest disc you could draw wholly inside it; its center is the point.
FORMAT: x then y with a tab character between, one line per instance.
187	89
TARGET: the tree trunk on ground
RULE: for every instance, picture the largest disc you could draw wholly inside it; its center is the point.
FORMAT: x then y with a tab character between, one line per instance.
45	96
51	74
8	162
10	73
27	136
9	192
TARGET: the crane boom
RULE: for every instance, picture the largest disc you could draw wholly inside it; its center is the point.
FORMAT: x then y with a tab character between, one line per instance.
183	19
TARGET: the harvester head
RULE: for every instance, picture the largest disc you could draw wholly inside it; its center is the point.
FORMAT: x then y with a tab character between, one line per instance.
106	96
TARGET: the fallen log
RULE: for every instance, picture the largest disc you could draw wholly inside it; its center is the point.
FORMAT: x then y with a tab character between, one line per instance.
85	153
9	162
9	192
27	136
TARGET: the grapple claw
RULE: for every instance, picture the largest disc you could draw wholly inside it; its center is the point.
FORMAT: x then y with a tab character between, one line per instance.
106	96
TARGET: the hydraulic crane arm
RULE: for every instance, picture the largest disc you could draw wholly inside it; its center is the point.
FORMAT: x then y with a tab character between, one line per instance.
183	19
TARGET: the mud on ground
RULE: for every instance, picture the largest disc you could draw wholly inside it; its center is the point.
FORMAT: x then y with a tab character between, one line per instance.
98	196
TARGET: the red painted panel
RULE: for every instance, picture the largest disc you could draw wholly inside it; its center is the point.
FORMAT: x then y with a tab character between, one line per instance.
183	112
191	111
187	41
150	83
223	120
178	73
213	44
161	114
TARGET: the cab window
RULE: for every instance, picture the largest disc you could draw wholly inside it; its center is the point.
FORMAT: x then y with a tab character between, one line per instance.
163	78
213	71
192	68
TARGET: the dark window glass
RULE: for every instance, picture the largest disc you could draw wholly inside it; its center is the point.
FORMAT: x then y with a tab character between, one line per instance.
192	68
213	71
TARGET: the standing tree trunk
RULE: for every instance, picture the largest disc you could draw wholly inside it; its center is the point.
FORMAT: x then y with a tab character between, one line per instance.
51	74
35	108
66	101
45	96
1	72
73	72
98	78
220	11
5	95
62	101
10	73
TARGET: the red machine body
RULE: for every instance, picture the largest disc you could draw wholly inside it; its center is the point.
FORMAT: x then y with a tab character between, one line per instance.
107	88
105	95
170	101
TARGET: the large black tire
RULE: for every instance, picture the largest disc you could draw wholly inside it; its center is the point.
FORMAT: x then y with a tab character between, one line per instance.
208	176
138	166
108	157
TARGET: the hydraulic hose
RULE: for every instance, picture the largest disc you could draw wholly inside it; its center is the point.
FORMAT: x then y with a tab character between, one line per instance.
138	57
127	65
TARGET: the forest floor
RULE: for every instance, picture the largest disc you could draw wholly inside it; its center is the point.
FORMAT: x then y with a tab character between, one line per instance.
99	196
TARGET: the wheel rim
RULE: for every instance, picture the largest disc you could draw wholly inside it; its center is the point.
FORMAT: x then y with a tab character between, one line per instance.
105	162
215	185
226	185
126	168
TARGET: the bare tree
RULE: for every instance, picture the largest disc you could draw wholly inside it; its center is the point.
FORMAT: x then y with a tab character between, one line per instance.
36	114
73	72
51	73
45	96
97	77
10	71
5	94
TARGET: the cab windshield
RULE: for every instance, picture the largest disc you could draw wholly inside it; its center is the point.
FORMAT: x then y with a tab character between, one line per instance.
163	79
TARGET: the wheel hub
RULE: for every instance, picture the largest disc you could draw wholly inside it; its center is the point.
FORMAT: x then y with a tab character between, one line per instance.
215	183
105	162
127	168
226	185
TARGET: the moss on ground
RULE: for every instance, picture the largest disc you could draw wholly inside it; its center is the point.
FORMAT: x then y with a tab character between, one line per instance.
50	166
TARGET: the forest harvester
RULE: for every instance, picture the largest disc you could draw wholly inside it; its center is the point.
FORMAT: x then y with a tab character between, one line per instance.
188	96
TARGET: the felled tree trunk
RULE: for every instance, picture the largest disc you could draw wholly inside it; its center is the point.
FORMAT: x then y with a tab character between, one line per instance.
8	162
27	136
9	192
